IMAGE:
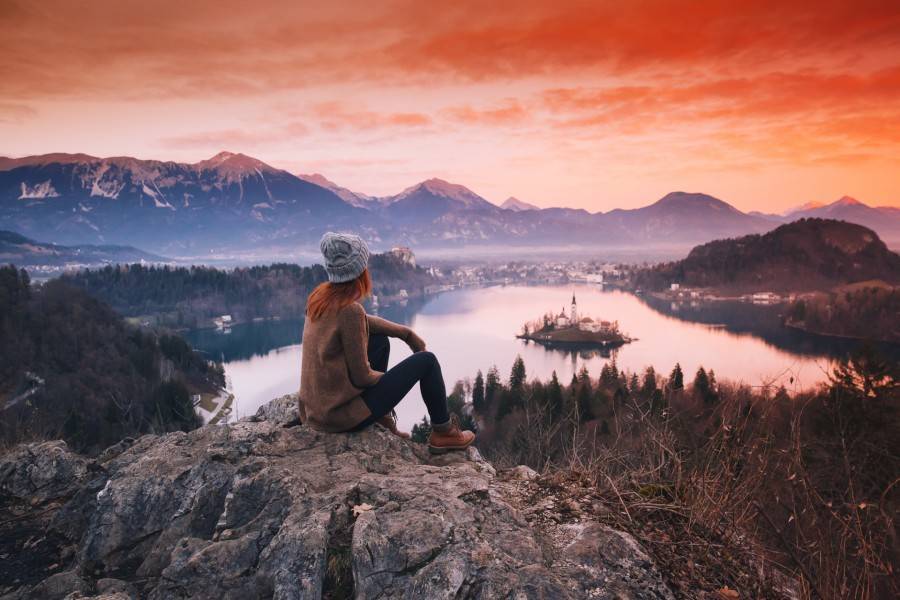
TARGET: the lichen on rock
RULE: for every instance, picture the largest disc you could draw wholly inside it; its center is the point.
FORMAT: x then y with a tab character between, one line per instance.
265	508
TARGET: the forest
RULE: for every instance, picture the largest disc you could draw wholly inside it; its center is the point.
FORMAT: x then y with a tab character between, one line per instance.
188	297
867	311
725	485
809	254
74	369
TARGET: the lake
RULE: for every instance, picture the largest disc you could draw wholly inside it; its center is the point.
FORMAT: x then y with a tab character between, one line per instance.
474	328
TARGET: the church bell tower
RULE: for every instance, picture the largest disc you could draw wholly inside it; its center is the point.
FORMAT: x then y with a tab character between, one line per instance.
574	311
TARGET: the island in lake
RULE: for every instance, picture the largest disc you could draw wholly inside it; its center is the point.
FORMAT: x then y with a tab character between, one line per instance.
574	330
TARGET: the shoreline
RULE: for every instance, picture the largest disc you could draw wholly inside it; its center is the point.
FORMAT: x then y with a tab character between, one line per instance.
842	336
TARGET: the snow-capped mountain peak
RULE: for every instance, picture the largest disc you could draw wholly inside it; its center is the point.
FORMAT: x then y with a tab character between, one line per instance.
234	163
517	205
444	189
847	201
844	201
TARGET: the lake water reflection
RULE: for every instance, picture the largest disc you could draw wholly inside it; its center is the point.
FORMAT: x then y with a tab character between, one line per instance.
472	329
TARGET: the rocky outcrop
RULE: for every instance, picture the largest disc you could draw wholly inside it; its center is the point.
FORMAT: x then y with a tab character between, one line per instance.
265	508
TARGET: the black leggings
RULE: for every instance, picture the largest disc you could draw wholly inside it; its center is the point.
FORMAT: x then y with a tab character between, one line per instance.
396	382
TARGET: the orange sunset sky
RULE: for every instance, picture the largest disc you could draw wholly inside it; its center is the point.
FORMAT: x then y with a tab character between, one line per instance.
766	105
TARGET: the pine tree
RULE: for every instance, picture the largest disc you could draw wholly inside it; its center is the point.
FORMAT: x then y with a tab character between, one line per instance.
677	378
514	397
478	397
517	376
634	385
584	396
555	398
701	385
609	375
491	387
649	385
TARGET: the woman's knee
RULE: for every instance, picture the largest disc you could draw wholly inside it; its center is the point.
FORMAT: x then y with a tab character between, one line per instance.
428	357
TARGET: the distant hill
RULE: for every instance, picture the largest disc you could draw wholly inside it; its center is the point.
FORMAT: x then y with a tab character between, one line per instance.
25	252
809	254
686	217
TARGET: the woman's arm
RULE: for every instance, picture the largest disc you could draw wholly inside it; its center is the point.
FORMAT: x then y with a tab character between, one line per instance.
380	326
355	337
377	325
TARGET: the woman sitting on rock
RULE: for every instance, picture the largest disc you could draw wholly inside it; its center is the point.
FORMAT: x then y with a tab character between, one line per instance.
345	384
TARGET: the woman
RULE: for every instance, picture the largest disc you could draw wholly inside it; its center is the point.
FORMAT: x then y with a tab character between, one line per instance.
345	384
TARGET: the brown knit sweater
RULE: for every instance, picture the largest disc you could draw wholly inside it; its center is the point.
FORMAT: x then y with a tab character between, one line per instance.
335	366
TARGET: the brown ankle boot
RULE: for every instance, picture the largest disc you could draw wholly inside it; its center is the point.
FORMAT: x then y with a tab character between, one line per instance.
448	437
389	422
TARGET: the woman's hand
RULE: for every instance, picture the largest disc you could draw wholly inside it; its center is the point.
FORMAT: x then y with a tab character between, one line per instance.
415	343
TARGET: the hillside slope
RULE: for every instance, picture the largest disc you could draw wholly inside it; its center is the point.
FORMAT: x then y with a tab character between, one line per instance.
23	251
808	254
262	509
72	368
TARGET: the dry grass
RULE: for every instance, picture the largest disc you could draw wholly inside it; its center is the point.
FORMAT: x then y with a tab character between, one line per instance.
741	496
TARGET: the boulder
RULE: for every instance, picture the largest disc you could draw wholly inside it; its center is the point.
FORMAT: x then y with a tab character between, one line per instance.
264	509
41	471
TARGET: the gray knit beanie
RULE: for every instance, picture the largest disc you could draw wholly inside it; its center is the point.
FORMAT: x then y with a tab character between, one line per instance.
346	256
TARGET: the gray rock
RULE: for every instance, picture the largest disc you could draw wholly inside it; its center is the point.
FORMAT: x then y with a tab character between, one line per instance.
281	411
523	472
41	471
58	586
608	564
256	510
111	587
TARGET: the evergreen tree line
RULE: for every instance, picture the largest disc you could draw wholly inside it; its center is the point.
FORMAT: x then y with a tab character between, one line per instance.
869	312
584	399
191	296
73	369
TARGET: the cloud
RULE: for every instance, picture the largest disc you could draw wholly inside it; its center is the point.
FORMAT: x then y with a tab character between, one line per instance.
235	138
510	112
189	49
848	108
335	116
11	112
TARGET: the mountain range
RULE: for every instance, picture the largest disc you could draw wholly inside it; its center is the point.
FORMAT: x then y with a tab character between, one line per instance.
234	203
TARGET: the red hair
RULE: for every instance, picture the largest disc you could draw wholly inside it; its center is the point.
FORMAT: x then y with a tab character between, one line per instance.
331	297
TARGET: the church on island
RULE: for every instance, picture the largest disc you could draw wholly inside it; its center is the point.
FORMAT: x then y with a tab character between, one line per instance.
574	329
574	320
